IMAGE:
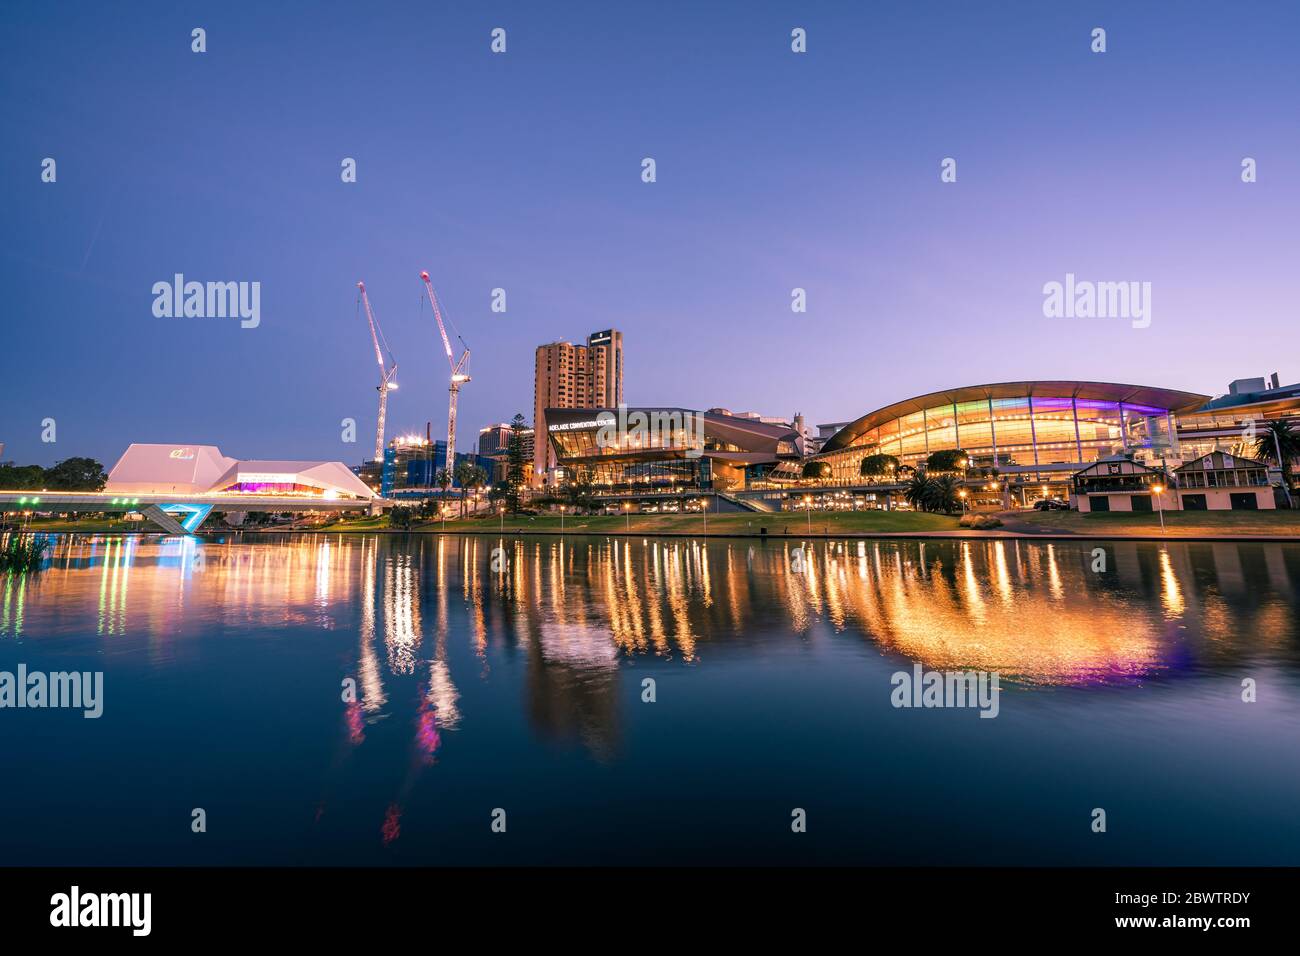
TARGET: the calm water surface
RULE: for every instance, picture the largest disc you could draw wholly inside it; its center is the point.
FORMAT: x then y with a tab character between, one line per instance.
225	663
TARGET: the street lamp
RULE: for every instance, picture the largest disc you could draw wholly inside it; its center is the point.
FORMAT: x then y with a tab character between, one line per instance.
962	495
1157	489
807	502
627	513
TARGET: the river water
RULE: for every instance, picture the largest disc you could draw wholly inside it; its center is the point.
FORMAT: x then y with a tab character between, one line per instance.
367	699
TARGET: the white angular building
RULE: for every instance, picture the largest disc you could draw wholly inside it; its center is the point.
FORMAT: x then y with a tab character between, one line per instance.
184	470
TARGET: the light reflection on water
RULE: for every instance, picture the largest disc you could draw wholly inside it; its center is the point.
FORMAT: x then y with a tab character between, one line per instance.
1033	611
445	642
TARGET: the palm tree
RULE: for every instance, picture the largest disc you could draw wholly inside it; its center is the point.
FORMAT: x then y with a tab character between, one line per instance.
943	494
443	480
918	491
475	478
463	475
1277	435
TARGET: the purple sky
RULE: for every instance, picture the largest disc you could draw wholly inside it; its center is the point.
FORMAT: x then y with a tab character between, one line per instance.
522	171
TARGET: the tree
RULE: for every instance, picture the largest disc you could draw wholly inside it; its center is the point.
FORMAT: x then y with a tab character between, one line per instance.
578	489
875	466
21	477
474	479
71	474
76	474
942	494
463	474
954	459
918	492
516	476
443	480
399	516
817	470
1279	434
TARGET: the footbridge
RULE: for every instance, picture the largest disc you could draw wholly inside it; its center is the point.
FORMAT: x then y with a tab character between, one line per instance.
178	514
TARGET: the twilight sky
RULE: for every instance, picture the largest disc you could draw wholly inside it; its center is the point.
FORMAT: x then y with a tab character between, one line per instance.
523	171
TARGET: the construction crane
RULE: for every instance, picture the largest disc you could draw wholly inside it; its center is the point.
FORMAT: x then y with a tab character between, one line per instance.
459	373
386	371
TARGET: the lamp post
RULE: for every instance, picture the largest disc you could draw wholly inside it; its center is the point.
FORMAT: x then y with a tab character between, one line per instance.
1157	489
807	502
561	519
962	495
627	514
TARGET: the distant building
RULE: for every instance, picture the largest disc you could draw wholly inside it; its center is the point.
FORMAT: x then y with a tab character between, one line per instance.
575	376
1236	421
372	473
1242	386
494	440
412	463
494	450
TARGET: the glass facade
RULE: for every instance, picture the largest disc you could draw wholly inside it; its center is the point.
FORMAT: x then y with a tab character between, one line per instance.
1020	435
659	474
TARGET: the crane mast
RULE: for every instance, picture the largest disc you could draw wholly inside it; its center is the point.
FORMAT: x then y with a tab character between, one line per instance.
386	372
459	374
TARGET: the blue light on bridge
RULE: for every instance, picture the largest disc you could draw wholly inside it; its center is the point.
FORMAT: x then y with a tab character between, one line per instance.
195	514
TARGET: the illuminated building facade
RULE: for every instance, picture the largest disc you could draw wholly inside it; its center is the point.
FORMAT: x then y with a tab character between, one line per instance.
1219	481
678	449
1234	421
412	464
1038	432
146	469
1117	483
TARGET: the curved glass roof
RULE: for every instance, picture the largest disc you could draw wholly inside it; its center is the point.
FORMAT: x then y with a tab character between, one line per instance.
1174	400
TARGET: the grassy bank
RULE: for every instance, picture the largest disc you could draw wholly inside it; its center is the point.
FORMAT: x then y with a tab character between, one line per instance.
746	523
1177	523
85	525
1189	524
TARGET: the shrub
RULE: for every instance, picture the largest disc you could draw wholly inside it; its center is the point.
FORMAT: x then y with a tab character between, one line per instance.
980	522
22	553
